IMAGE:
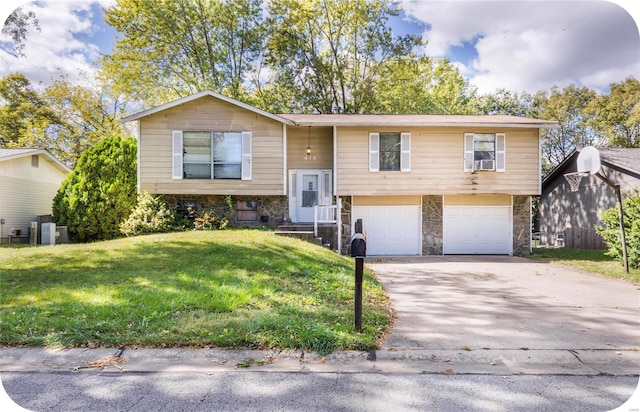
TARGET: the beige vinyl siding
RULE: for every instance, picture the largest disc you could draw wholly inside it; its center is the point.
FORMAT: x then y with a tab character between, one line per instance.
27	192
386	201
210	114
437	164
321	147
483	200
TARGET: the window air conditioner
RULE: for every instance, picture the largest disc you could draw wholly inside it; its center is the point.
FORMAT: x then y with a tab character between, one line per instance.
488	164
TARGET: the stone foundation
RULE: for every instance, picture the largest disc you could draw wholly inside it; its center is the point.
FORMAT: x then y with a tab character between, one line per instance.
271	210
432	225
521	225
345	220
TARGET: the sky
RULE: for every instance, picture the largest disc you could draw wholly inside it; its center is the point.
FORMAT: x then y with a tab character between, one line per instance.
522	46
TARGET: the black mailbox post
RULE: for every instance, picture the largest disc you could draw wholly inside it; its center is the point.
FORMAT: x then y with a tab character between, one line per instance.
358	251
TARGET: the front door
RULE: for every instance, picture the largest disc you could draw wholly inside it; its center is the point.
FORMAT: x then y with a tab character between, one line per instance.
307	189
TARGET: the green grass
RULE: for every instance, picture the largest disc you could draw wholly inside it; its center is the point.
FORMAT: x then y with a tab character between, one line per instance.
227	289
593	261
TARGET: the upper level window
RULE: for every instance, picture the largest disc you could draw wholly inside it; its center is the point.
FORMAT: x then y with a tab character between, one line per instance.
389	151
484	152
212	155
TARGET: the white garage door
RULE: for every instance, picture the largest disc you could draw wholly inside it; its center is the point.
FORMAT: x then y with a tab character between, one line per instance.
477	230
390	230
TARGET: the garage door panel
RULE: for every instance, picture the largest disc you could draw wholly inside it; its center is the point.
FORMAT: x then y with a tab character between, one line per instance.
476	230
390	230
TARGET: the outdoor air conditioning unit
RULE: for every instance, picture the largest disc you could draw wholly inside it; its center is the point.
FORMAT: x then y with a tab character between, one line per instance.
487	164
48	235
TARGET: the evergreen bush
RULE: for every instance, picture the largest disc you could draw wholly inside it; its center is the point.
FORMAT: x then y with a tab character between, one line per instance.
100	192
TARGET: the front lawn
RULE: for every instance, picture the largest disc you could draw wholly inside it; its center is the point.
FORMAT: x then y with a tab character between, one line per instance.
227	289
593	261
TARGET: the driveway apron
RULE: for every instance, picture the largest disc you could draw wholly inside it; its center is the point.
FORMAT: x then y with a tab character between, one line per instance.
506	303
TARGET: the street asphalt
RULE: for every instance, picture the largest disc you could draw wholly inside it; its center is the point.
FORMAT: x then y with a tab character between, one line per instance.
456	316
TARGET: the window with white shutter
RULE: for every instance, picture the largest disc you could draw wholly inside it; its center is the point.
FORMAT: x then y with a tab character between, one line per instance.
211	155
246	156
374	149
405	152
501	163
177	155
484	152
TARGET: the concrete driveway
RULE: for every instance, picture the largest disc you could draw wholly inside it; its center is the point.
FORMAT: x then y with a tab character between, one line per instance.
525	310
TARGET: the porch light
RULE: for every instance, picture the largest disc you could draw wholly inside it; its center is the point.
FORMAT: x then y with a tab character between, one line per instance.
309	142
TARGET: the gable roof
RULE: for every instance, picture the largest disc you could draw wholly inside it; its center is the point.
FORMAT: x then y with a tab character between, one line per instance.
196	96
417	120
625	160
363	119
9	154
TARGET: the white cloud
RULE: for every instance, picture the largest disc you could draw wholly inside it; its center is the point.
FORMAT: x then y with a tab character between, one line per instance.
534	45
56	49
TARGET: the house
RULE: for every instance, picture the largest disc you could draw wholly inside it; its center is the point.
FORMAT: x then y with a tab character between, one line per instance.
29	180
567	219
422	184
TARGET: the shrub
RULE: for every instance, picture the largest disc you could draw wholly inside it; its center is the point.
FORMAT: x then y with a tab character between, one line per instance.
610	231
100	192
210	221
151	215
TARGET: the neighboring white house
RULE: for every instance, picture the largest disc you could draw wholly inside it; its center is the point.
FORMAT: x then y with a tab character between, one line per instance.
29	180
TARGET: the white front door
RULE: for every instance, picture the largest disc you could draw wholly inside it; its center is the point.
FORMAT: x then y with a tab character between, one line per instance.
308	189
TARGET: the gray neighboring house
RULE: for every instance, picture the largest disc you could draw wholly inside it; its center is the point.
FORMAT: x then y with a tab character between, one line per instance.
567	219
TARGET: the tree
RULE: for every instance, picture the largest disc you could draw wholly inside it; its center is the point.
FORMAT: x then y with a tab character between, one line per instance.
16	28
65	118
568	107
331	53
423	85
617	114
503	101
174	48
100	193
23	108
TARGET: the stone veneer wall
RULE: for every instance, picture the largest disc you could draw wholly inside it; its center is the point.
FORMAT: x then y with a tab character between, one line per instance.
345	220
521	225
432	225
274	207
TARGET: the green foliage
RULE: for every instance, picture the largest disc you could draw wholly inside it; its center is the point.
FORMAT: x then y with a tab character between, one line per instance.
65	118
100	192
210	221
423	85
172	48
330	53
617	114
151	215
23	109
16	28
610	231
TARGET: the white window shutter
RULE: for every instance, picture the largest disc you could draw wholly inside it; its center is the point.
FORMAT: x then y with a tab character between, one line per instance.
405	152
374	152
468	152
177	154
246	156
501	163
